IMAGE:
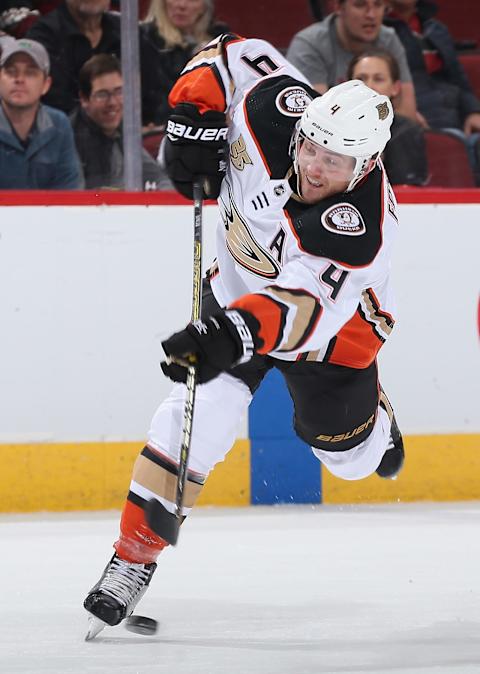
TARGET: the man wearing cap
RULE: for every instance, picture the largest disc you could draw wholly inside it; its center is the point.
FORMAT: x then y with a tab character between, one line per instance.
37	149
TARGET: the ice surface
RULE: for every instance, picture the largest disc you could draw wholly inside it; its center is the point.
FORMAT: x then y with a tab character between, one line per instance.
282	590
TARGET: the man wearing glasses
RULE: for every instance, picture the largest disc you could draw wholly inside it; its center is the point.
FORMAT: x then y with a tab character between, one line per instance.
97	127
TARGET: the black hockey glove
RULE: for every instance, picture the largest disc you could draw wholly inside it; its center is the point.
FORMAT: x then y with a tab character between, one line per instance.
220	342
196	145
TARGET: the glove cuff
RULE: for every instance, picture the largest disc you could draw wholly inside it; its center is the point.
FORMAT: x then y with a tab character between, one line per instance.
243	327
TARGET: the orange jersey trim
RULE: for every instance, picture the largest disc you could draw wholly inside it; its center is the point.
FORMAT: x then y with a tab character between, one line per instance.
268	313
356	344
200	87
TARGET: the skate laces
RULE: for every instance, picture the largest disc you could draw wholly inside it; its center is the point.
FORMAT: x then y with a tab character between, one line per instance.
124	580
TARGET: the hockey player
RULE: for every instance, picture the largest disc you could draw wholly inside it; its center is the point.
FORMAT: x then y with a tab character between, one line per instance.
301	283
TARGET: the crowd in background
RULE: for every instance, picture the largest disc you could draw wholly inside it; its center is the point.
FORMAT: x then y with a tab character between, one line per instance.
61	84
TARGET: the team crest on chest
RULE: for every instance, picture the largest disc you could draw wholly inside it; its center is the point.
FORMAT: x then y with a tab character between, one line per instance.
243	247
343	219
292	101
238	154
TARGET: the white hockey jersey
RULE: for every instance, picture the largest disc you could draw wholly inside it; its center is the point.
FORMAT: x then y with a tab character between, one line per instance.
316	277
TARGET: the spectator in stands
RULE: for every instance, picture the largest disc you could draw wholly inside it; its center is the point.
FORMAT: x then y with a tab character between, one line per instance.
172	32
445	98
97	127
37	149
405	157
323	50
72	33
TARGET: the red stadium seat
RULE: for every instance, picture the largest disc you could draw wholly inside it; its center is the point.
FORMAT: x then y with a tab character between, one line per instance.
151	142
448	162
462	18
471	65
276	22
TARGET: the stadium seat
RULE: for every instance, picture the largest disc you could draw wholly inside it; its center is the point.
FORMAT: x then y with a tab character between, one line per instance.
462	18
448	163
471	64
276	22
151	142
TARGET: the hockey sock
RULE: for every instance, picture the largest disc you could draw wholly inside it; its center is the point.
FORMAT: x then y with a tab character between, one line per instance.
137	542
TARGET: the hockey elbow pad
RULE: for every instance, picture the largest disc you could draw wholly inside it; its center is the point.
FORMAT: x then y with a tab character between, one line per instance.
196	145
216	344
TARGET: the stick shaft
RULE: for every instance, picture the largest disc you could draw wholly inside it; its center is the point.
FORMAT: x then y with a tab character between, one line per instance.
192	370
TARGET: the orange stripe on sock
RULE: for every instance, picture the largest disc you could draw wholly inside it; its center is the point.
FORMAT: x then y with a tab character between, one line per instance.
137	542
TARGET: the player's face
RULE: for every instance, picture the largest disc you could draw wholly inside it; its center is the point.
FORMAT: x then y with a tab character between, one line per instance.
105	103
375	73
322	172
184	14
22	83
362	19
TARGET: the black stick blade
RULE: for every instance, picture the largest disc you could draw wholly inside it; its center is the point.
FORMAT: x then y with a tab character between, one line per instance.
162	522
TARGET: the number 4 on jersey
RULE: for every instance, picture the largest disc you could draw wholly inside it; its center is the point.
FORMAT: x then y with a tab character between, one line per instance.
335	278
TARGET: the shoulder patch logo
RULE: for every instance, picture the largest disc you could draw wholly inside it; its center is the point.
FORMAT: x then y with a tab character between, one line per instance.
292	101
238	154
343	219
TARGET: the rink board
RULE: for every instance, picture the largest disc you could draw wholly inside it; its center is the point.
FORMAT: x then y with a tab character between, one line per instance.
87	297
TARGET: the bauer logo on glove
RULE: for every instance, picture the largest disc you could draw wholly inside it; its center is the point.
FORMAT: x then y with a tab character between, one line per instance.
195	133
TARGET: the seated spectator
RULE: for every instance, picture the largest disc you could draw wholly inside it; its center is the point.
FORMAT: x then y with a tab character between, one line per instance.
97	128
173	31
71	34
37	149
323	50
405	156
445	98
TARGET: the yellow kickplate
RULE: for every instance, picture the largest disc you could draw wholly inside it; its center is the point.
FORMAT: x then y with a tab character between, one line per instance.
96	476
437	468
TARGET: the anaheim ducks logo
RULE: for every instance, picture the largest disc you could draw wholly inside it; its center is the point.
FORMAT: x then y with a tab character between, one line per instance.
243	247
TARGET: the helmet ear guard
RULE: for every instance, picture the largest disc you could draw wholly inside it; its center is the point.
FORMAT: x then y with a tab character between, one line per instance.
349	119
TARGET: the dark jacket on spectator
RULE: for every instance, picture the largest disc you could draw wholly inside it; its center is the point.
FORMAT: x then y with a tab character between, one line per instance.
160	68
69	49
101	156
405	157
47	161
445	98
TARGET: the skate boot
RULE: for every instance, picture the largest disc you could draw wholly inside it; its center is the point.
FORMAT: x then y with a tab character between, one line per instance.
392	460
116	594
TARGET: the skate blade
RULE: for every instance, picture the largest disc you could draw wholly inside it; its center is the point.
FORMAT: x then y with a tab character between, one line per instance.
95	626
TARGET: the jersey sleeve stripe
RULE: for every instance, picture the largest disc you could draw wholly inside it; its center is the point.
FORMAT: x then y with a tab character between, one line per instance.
305	311
271	315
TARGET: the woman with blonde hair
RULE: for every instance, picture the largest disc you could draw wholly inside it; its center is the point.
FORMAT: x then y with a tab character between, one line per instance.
172	32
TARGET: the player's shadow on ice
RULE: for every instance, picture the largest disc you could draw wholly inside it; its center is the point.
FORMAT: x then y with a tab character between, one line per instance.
423	648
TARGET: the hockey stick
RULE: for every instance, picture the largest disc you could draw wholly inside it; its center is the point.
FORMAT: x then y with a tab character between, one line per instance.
159	519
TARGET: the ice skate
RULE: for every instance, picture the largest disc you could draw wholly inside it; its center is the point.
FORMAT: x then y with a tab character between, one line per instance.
392	460
116	594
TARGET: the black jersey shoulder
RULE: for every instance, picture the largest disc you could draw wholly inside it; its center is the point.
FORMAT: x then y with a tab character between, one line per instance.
272	109
316	230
